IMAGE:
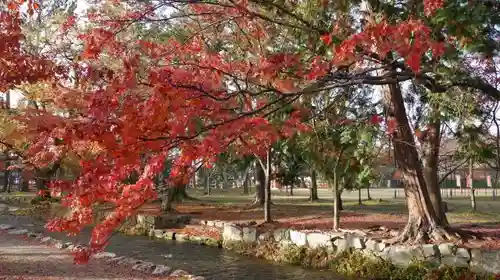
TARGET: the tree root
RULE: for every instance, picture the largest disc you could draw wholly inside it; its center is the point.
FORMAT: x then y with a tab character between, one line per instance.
258	202
419	234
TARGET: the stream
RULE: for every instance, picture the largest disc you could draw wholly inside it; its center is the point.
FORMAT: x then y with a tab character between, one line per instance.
210	262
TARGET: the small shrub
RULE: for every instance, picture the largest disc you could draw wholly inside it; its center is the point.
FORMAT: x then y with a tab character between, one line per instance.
37	200
243	248
355	264
415	271
269	251
293	254
455	273
317	258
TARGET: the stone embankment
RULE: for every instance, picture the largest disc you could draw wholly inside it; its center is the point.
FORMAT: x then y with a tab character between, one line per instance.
480	261
477	260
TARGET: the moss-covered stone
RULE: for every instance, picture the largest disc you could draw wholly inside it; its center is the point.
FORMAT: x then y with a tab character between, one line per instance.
181	237
169	235
357	265
352	263
135	230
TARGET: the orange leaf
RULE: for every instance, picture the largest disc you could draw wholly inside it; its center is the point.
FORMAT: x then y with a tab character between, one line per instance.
12	6
36	6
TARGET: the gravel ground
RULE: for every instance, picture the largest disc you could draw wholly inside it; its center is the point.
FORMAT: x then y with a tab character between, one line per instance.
28	259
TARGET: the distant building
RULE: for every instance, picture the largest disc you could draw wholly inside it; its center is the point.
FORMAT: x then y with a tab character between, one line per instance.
448	166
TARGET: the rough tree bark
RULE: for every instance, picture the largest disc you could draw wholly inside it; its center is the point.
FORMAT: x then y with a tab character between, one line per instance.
313	194
261	184
6	174
360	200
339	198
207	184
431	142
226	184
423	221
246	179
171	195
43	177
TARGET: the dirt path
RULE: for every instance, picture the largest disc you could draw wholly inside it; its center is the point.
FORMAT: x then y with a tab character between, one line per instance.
27	259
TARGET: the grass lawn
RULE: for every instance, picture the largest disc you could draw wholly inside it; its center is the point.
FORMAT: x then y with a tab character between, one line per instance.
297	212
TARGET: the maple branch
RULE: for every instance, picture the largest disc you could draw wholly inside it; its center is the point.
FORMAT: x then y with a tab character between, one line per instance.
11	147
464	80
309	25
47	173
452	171
217	124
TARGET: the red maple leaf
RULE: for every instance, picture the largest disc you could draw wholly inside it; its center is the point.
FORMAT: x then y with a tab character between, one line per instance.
375	120
327	39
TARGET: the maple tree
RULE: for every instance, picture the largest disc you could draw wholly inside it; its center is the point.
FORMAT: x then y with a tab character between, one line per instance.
218	85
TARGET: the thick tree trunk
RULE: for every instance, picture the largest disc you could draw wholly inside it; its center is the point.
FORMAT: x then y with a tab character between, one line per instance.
226	184
24	184
6	181
360	200
430	155
261	185
313	194
207	184
423	222
339	199
166	205
368	195
173	195
246	180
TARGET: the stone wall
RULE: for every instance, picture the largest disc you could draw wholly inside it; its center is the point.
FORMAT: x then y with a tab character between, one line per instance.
481	261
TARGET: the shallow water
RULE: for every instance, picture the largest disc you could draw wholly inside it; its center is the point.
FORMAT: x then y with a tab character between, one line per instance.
212	263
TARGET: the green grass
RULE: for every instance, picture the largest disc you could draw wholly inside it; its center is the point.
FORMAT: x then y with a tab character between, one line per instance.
19	194
488	210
